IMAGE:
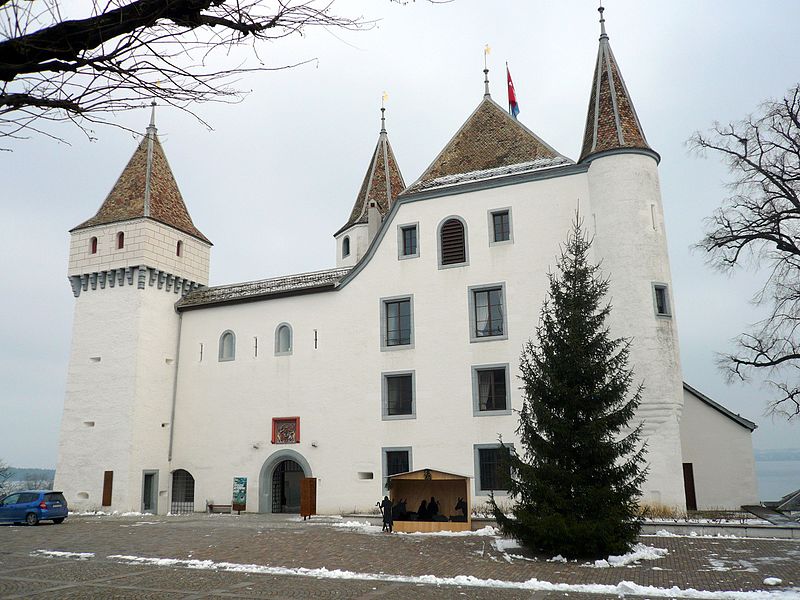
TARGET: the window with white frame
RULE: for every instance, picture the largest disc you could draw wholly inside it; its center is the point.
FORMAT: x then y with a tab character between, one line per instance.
283	339
492	472
395	460
407	243
490	389
661	299
397	322
500	222
398	395
227	346
487	312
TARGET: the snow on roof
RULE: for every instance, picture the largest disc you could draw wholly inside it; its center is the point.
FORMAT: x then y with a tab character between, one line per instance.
483	174
288	285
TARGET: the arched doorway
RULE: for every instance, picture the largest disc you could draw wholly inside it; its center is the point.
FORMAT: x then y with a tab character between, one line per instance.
279	482
182	492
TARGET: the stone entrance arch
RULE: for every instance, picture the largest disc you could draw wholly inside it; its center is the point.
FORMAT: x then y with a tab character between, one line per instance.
274	468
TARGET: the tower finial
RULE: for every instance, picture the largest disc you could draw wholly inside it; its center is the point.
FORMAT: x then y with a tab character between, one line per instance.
152	116
603	33
486	51
384	98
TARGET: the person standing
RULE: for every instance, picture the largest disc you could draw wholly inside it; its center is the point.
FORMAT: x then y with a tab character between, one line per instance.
386	509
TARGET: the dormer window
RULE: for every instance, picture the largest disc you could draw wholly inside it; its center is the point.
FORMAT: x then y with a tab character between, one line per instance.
179	249
93	246
345	247
120	240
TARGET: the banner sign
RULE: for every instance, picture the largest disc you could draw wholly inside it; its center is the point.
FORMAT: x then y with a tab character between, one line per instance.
239	493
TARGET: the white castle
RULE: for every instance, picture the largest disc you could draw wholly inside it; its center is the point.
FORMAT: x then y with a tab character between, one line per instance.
403	357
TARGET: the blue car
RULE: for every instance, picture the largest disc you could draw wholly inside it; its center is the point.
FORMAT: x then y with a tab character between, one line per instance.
32	506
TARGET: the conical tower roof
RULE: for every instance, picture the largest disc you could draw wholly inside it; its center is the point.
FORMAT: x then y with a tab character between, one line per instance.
490	143
146	188
382	181
611	121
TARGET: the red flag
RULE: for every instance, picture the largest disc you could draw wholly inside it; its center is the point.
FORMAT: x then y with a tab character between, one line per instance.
513	107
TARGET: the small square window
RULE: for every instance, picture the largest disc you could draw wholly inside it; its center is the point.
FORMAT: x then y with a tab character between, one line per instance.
408	241
398	396
490	390
491	474
661	299
487	313
500	226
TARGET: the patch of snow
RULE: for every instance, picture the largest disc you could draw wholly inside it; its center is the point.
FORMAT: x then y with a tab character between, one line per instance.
484	531
89	513
130	514
772	581
480	175
503	544
60	554
637	553
665	533
557	558
620	589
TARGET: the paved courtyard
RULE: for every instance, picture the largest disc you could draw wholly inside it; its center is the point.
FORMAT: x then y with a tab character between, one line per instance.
275	557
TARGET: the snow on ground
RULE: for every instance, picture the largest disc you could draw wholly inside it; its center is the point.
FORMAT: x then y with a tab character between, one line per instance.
60	554
772	581
485	531
637	553
623	588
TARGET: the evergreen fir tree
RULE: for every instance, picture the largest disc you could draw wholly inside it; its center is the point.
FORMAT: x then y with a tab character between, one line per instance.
577	482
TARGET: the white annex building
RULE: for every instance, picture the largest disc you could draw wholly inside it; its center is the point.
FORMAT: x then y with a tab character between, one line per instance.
403	357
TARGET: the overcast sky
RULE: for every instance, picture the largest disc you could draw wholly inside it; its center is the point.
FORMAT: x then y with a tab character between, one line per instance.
279	172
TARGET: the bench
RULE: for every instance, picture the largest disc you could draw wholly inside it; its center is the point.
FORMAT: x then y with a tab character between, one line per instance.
219	508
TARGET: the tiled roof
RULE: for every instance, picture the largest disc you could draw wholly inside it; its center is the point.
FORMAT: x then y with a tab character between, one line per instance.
489	139
127	198
611	121
289	285
382	183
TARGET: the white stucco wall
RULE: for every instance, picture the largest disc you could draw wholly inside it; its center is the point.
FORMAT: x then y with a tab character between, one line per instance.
224	410
721	453
359	242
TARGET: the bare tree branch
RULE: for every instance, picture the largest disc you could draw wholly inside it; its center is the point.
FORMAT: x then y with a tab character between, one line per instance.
759	225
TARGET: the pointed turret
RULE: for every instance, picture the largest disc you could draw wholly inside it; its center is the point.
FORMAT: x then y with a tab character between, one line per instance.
611	122
489	144
146	188
382	181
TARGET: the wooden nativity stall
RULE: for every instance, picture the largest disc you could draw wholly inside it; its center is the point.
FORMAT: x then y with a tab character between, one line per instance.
451	493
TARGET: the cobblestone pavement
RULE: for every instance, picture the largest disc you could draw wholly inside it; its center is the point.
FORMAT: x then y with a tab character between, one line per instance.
713	564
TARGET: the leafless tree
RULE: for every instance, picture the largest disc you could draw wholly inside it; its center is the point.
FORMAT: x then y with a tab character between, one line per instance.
127	52
5	475
759	225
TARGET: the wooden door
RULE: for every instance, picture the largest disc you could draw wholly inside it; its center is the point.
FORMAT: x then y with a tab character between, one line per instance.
108	483
688	486
308	496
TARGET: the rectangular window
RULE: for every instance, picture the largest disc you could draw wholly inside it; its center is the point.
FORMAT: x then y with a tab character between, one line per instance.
409	240
661	299
395	460
398	322
488	314
398	396
501	226
490	389
491	475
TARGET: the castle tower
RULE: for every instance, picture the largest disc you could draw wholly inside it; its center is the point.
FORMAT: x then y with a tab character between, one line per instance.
382	183
128	266
629	238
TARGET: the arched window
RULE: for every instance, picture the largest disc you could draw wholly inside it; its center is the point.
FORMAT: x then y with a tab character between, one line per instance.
452	242
345	247
93	245
182	492
227	346
283	339
179	249
120	240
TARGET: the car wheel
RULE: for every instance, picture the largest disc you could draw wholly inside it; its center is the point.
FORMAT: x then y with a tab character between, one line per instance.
32	519
58	521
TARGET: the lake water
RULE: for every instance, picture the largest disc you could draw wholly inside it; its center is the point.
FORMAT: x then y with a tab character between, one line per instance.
777	478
